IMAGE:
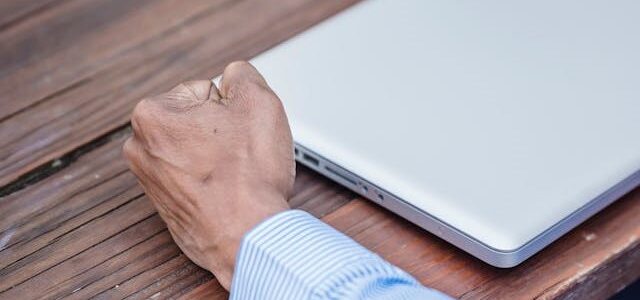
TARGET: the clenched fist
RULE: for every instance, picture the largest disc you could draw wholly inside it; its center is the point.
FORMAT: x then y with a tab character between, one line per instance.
214	162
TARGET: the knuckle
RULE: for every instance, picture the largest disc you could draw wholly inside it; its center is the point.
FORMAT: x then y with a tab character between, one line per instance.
127	148
143	112
184	90
237	65
237	90
249	90
255	100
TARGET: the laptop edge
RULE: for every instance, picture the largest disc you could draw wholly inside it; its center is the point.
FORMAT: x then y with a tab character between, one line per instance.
492	256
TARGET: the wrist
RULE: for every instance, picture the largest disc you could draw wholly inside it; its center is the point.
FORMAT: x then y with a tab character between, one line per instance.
247	213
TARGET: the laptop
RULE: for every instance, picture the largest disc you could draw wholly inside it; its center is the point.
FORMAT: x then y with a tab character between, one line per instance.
497	126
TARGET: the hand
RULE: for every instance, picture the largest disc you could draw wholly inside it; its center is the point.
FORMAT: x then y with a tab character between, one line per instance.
214	163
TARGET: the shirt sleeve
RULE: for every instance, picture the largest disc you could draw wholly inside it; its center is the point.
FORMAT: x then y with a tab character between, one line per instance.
293	255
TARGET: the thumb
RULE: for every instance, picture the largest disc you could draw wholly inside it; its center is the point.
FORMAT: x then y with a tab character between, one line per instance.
241	78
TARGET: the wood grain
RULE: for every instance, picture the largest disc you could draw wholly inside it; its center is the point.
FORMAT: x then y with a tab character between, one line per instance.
58	97
210	290
88	230
80	38
15	11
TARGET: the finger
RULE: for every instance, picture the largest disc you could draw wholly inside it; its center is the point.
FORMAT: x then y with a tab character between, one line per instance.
138	159
133	153
128	149
140	113
196	90
240	79
188	95
147	117
138	162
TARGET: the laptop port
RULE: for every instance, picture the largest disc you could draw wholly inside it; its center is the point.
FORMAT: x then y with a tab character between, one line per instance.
310	159
341	175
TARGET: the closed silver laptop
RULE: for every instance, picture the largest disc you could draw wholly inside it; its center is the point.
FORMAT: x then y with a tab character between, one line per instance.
496	125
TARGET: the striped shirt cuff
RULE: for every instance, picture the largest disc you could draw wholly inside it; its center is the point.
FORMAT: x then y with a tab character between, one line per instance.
293	255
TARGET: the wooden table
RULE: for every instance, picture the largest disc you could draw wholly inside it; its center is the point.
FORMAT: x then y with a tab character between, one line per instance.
74	223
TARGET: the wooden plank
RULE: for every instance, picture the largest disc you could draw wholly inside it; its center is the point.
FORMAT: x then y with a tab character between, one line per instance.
602	281
155	251
594	261
14	11
211	290
155	276
88	231
173	284
77	93
75	39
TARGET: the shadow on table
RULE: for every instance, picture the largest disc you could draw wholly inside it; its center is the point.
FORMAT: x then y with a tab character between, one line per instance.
632	292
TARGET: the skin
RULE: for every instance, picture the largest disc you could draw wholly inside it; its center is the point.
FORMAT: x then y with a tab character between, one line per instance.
214	162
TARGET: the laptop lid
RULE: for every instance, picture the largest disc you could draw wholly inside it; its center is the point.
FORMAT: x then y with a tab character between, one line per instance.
498	118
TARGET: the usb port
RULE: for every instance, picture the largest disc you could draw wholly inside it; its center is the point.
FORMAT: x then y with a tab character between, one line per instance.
310	159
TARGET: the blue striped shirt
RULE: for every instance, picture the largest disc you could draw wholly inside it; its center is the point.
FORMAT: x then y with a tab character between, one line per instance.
293	255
